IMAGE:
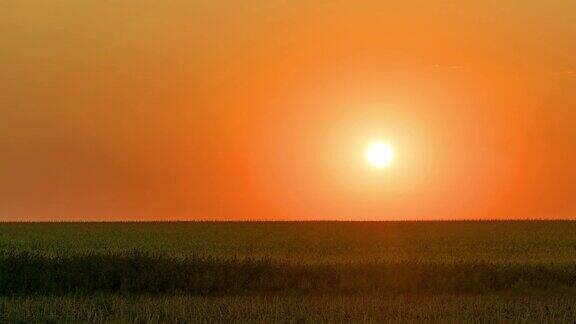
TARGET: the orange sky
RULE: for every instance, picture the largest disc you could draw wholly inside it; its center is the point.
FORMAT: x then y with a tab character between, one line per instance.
177	109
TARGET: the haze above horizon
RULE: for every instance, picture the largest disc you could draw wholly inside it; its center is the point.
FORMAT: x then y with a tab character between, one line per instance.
254	110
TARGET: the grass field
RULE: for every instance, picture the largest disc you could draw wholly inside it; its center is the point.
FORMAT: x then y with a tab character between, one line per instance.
289	271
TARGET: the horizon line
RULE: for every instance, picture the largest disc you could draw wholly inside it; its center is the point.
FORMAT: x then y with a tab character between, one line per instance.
288	221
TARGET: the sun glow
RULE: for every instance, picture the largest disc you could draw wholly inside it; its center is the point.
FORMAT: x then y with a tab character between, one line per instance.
379	154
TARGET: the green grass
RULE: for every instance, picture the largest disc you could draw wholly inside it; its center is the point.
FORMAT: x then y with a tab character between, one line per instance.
135	273
556	308
289	271
309	242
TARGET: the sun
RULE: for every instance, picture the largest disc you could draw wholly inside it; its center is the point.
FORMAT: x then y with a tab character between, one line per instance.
379	154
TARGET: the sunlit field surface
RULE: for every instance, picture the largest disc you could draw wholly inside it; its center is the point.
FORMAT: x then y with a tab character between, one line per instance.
310	242
289	271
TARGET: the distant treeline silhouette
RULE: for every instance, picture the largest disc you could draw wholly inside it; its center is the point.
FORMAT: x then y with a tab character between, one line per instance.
138	273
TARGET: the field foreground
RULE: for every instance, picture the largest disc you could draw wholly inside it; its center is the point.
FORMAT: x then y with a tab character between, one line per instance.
490	308
289	271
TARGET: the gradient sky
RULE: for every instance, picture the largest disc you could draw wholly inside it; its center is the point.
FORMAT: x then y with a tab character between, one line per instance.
179	109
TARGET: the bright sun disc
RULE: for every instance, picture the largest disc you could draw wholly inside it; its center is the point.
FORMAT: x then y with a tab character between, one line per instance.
379	154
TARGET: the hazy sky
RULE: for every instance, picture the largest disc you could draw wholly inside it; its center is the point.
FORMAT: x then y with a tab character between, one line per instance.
183	109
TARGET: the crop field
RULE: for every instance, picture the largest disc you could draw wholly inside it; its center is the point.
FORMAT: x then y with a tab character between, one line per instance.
467	271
